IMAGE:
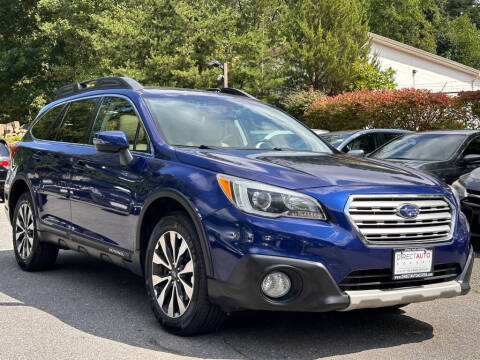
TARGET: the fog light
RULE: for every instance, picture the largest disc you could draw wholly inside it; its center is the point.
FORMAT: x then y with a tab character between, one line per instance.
276	284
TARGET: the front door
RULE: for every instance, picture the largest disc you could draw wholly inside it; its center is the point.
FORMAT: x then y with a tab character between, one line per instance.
104	192
457	168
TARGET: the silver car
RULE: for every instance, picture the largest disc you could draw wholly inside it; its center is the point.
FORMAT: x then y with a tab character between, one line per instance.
361	142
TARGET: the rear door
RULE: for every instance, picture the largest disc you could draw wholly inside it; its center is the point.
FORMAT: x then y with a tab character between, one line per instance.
56	161
104	191
49	173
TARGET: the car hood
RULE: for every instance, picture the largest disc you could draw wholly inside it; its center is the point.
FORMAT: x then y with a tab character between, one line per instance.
302	170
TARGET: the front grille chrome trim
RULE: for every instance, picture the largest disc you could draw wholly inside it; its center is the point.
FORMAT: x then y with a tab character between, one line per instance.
374	218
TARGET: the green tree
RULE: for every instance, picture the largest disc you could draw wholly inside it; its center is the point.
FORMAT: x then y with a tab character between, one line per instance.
323	41
456	8
21	55
369	76
407	21
465	40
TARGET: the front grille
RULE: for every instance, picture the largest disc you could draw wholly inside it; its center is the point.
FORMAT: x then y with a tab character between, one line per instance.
376	218
382	278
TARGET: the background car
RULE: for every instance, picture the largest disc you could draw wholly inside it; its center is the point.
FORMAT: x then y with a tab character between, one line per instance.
360	142
447	154
4	165
468	188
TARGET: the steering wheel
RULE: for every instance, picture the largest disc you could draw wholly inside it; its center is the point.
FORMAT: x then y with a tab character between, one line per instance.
265	144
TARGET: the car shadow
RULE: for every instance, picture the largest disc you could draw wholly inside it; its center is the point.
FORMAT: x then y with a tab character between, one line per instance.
108	302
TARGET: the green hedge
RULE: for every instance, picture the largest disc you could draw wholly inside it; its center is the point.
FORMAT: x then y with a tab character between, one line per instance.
298	102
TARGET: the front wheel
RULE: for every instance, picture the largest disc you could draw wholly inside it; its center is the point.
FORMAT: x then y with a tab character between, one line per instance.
176	279
30	253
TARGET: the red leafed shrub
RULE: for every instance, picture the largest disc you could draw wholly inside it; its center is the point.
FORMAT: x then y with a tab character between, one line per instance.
406	109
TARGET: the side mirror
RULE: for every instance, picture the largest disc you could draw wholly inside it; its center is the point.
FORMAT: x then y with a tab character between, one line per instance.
359	153
112	142
471	159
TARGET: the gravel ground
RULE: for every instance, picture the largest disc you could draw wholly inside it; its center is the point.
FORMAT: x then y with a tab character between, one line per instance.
86	309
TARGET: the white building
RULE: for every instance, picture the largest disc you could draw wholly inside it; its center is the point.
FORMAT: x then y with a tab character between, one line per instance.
419	69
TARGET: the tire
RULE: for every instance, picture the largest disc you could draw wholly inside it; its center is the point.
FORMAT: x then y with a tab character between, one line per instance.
30	253
179	297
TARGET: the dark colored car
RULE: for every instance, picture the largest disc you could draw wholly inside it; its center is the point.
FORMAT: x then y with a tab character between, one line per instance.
468	188
4	165
360	142
223	203
447	154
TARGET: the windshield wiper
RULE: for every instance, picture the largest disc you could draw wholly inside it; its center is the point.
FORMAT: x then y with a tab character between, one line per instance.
196	146
399	158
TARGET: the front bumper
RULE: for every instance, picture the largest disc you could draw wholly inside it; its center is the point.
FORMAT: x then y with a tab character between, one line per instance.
314	289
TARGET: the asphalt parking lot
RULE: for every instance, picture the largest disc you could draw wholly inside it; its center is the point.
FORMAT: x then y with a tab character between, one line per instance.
86	309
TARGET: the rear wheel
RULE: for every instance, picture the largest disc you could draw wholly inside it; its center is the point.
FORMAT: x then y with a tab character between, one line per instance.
176	280
30	253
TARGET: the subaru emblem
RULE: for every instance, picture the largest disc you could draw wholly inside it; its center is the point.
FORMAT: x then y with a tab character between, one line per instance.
408	211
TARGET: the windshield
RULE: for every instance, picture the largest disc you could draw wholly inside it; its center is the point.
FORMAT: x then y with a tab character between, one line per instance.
203	120
421	147
336	138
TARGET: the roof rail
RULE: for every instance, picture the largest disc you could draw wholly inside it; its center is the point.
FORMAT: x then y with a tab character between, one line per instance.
232	91
98	84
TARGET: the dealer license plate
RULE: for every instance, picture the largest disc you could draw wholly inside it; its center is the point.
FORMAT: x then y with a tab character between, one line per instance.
412	263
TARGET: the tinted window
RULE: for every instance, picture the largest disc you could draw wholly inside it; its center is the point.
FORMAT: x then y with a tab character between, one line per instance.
386	137
421	147
119	114
473	147
44	127
76	120
363	142
229	122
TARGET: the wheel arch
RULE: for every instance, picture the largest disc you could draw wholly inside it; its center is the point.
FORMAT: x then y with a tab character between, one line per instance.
180	202
18	187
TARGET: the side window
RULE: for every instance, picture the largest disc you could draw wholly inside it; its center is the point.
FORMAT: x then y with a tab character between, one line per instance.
119	114
76	121
473	147
363	142
44	127
142	139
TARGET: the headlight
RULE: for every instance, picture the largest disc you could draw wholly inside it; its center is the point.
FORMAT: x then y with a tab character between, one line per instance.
459	191
270	201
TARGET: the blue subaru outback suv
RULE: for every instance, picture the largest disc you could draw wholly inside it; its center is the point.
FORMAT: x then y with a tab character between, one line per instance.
224	203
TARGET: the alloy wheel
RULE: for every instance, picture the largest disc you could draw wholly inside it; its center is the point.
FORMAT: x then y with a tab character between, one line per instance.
24	231
173	274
